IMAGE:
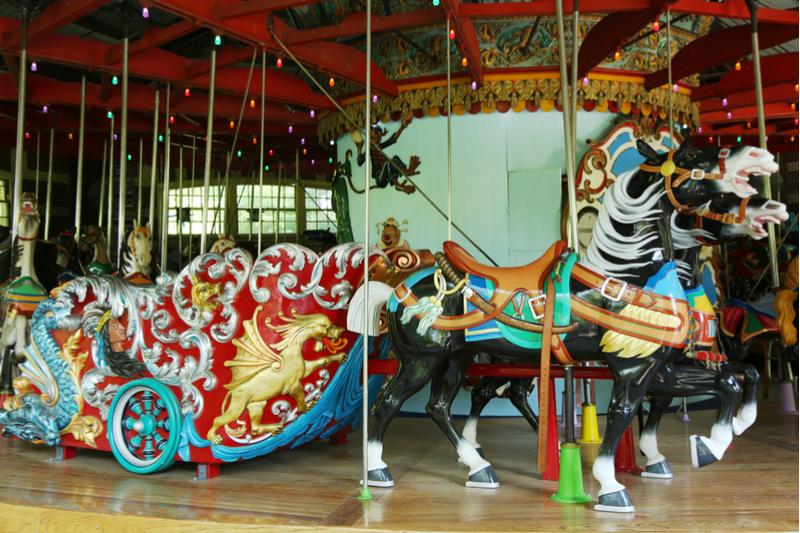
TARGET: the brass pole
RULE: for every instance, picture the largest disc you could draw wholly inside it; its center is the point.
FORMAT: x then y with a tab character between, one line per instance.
565	106
209	141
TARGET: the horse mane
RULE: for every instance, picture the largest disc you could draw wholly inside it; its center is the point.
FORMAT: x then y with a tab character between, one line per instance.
618	206
16	259
683	239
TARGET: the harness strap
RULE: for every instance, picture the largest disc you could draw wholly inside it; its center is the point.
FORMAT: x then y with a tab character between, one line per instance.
544	379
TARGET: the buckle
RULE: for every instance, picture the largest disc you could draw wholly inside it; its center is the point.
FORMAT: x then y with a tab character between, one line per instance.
697	174
604	289
728	218
541	299
725	152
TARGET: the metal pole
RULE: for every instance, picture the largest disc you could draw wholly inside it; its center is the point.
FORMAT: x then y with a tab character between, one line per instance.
278	210
573	207
179	210
261	167
669	75
153	165
102	186
569	406
209	140
79	198
38	158
449	146
165	197
123	140
110	214
296	193
141	175
50	181
191	229
23	63
762	134
365	494
574	102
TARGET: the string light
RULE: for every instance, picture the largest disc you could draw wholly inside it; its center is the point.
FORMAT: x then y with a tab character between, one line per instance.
312	161
303	140
711	140
145	13
172	120
749	126
700	129
27	135
766	138
239	153
232	125
792	138
616	55
435	3
724	101
270	153
474	86
312	113
331	82
729	114
266	167
464	62
656	26
255	141
44	109
794	106
305	152
161	139
796	121
374	98
738	65
252	103
115	80
115	136
130	157
452	34
217	40
109	114
34	67
330	159
674	87
739	139
279	62
70	136
290	129
332	142
187	92
585	80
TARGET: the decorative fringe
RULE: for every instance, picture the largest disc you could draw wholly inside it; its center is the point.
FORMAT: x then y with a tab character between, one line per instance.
428	310
630	347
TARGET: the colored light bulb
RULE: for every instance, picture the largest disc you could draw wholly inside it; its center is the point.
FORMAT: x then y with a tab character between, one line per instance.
794	106
656	26
34	67
115	136
312	113
109	114
290	129
452	34
44	109
796	121
616	55
279	62
435	3
115	80
239	153
729	114
724	102
305	152
374	98
711	139
70	136
474	86
312	161
232	125
303	140
585	80
252	103
739	139
749	126
145	13
217	40
792	138
161	139
674	87
738	66
270	152
332	142
255	141
330	159
172	120
130	157
766	138
266	167
331	82
700	129
187	92
464	62
27	135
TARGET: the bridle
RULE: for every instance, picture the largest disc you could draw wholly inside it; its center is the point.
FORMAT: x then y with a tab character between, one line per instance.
669	169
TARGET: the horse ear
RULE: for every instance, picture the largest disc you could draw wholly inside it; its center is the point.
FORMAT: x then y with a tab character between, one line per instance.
646	151
230	237
147	226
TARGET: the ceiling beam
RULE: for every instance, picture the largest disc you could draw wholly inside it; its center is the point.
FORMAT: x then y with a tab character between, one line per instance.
742	129
152	38
12	64
54	17
466	37
715	49
547	7
775	69
773	110
226	56
782	92
613	31
356	24
736	10
255	7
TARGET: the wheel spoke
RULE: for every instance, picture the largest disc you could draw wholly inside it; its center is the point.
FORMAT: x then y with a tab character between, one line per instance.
149	453
147	399
128	422
136	406
135	443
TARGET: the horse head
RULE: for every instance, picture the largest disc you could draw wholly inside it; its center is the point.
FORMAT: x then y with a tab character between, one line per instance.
137	256
28	220
223	244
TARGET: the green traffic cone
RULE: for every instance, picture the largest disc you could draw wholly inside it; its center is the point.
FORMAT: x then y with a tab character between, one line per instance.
570	479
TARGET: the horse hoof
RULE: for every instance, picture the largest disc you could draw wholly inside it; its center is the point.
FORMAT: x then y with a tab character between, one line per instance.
701	454
484	479
615	502
658	470
379	478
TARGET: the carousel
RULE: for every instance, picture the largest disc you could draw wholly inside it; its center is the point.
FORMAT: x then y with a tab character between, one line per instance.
277	238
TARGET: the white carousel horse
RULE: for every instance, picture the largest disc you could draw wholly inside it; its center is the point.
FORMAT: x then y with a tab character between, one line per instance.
136	257
223	244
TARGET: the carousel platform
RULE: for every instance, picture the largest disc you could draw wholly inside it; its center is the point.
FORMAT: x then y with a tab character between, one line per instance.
315	487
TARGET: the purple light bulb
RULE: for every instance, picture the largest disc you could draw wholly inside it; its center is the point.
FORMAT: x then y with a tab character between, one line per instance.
145	13
290	129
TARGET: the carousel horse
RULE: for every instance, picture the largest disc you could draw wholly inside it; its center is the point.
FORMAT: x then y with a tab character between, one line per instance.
222	244
68	260
136	257
101	264
621	304
23	292
723	221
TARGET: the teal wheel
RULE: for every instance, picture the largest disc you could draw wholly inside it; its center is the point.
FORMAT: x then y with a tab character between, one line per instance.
145	426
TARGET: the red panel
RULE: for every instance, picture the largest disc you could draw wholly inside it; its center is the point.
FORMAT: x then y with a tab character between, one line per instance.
614	30
778	68
774	93
718	48
774	110
735	10
54	17
152	38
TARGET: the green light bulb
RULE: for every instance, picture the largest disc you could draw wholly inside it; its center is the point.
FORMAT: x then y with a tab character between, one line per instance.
330	160
266	167
739	139
217	40
130	157
161	138
435	2
239	153
115	80
110	114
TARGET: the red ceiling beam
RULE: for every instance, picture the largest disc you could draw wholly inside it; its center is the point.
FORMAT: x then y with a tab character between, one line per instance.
774	110
613	31
54	17
356	24
783	92
12	64
742	129
735	10
151	39
466	37
775	69
547	7
255	7
718	48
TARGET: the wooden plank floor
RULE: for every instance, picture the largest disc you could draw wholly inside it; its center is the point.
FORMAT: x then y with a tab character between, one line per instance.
755	487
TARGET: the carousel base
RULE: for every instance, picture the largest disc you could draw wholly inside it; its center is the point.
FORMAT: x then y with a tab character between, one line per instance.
316	487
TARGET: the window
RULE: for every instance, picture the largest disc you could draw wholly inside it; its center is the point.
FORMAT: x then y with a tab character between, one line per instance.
319	210
4	221
274	209
191	220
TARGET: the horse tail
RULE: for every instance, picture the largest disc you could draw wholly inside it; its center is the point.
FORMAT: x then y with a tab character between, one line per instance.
785	316
347	155
379	294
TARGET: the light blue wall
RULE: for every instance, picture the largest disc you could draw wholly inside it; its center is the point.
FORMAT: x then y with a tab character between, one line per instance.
485	149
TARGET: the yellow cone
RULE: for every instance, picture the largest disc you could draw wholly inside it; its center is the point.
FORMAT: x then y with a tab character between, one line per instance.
589	433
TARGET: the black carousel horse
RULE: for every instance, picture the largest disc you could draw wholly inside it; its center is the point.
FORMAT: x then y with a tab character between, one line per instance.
627	309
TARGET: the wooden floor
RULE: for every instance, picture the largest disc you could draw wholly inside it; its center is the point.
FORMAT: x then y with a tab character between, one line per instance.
755	487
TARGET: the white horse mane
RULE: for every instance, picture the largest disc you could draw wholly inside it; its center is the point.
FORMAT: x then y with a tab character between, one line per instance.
683	239
620	207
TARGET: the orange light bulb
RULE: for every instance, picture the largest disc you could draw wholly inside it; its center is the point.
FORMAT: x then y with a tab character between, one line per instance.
232	124
464	62
738	66
331	82
616	55
252	103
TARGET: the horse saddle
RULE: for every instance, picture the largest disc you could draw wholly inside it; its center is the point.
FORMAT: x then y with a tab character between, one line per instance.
507	281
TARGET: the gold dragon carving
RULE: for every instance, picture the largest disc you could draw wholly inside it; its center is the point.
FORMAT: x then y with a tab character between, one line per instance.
261	372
